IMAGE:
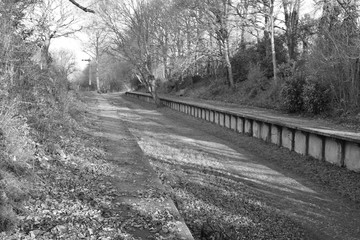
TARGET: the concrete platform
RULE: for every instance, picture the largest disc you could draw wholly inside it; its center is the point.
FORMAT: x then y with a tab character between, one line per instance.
319	139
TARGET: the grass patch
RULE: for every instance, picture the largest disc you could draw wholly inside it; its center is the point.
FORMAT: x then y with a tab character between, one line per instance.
216	207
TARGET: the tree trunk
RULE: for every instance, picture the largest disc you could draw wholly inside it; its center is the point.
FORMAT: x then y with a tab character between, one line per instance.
228	63
267	30
97	77
273	52
242	40
151	82
188	37
165	51
210	65
291	14
45	57
156	99
97	65
243	25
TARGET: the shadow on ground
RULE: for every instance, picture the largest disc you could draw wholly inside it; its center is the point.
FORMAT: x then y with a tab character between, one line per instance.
235	187
138	196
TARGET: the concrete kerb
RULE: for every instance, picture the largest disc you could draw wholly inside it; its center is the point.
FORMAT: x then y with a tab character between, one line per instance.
301	142
341	150
234	123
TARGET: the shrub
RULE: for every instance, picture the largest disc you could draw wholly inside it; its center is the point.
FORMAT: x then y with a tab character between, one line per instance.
115	86
240	63
16	146
316	97
215	88
185	82
135	84
257	76
291	95
16	151
165	86
286	70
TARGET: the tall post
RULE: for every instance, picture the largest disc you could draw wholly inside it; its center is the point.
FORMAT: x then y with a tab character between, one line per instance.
89	61
89	73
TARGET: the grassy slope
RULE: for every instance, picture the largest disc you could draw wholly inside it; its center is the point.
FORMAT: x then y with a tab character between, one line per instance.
262	94
68	194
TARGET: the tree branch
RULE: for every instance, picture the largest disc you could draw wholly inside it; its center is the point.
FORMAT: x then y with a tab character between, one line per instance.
81	7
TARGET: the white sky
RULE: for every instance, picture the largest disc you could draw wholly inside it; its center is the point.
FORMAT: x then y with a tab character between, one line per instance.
73	45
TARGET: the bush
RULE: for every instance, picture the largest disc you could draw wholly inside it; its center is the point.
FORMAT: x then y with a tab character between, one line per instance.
316	97
165	86
115	86
185	82
16	151
135	84
240	63
257	76
215	88
291	95
286	70
258	54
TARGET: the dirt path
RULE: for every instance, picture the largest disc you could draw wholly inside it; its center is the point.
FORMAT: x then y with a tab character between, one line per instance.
139	196
230	186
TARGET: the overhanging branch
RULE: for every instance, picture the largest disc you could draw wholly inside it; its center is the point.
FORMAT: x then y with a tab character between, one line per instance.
81	7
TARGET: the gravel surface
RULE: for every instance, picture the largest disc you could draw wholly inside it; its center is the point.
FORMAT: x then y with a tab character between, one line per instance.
228	186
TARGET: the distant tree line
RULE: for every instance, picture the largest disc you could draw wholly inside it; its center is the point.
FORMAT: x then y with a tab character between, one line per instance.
241	39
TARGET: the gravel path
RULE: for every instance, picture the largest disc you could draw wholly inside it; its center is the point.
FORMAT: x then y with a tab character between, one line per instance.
233	186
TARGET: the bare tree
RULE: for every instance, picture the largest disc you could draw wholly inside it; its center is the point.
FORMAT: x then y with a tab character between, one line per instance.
268	10
334	58
273	51
291	14
242	10
64	61
96	45
85	9
132	27
50	19
214	17
219	15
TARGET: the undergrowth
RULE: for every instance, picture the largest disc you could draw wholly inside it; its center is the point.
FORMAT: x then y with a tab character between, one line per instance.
253	93
58	188
16	151
35	128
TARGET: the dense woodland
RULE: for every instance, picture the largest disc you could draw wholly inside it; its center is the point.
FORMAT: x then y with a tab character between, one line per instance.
269	48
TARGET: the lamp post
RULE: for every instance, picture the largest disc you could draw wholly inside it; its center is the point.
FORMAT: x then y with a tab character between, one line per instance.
88	60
